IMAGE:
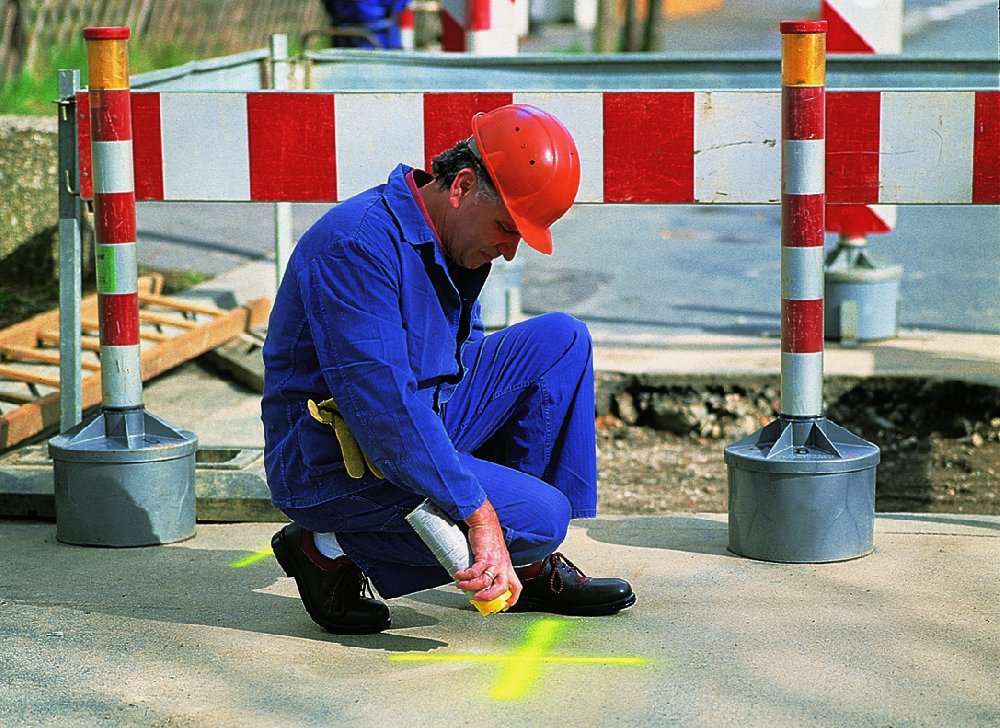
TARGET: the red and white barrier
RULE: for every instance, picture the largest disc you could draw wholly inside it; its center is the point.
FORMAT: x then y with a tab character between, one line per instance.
481	27
870	27
908	147
863	26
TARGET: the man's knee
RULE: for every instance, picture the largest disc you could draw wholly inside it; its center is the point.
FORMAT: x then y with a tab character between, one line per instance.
564	333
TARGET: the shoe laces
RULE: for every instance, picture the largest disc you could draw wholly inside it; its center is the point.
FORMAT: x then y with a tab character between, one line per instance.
556	581
349	590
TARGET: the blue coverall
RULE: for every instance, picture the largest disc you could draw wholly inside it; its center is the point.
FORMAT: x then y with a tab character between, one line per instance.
371	313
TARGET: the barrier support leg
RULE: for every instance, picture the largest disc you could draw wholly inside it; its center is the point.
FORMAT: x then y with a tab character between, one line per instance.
70	285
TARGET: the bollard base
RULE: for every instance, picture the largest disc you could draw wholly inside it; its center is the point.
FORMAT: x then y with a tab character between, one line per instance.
124	478
862	296
801	491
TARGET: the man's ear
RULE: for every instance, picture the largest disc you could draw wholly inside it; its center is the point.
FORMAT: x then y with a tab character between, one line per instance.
462	186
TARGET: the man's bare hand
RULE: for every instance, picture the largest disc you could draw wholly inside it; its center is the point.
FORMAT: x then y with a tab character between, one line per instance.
492	574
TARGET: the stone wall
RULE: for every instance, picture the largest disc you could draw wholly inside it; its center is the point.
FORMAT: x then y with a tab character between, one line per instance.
29	211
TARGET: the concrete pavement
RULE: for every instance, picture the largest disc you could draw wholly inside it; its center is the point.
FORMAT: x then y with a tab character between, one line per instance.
207	633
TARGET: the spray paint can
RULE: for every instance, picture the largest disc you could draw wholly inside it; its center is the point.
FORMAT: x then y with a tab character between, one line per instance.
450	547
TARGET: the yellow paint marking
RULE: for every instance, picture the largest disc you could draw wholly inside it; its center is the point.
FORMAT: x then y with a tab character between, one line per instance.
252	558
521	668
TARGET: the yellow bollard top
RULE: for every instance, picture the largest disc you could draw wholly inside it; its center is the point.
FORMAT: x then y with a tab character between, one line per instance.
803	52
107	58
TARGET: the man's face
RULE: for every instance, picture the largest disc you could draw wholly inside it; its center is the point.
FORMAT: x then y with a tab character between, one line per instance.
479	230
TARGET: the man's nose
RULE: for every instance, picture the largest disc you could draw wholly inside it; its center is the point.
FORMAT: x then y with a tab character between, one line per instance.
508	250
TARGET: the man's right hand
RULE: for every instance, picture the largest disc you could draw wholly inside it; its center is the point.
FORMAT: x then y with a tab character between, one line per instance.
492	574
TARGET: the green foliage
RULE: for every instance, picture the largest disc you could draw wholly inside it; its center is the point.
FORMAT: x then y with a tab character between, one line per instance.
33	93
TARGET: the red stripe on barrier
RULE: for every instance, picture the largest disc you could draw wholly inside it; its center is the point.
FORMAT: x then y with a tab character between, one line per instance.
802	326
841	37
83	144
452	33
118	314
802	220
447	118
478	14
986	148
803	112
111	115
292	155
147	146
114	217
649	147
854	220
853	121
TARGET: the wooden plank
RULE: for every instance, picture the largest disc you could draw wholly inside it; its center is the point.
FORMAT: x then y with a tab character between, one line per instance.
33	418
25	375
167	320
51	338
179	304
17	398
46	356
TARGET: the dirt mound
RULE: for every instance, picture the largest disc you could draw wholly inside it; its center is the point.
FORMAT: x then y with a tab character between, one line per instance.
661	439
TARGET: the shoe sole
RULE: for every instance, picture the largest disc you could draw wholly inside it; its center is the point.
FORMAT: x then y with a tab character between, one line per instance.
592	610
283	554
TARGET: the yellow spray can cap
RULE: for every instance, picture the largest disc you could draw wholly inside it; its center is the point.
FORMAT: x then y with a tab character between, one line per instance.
493	605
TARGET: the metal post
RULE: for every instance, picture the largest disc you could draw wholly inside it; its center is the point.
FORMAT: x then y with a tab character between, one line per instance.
802	489
803	206
70	287
283	243
126	477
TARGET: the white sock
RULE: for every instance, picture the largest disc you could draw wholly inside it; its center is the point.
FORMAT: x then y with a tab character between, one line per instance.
326	544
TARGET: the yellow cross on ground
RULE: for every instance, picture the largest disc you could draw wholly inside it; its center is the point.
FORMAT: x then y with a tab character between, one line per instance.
522	667
252	558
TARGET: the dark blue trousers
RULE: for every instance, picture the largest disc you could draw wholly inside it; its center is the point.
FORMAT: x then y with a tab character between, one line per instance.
522	420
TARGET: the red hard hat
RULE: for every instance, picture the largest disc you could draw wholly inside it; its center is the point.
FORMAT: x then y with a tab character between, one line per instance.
532	160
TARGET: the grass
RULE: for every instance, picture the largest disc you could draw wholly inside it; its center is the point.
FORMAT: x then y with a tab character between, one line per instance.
33	93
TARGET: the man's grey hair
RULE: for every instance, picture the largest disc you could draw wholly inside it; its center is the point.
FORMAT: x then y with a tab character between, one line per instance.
448	164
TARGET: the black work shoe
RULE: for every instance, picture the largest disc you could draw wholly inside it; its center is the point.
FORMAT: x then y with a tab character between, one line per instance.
561	588
335	598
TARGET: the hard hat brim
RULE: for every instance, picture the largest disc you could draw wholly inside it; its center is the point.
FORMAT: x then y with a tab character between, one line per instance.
537	237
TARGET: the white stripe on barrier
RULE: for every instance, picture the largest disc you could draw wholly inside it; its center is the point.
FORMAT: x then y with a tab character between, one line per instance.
801	272
205	146
735	132
583	115
885	213
121	376
117	270
878	22
112	165
392	132
801	384
926	146
803	166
